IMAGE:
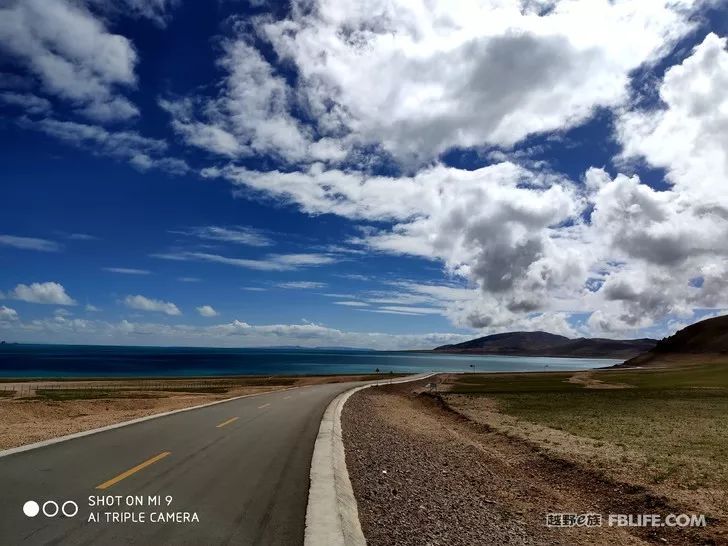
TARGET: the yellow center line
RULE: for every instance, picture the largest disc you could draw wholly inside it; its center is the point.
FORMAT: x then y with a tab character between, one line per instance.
227	422
263	406
134	470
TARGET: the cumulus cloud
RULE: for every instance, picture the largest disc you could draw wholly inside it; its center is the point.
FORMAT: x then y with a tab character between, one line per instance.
495	226
530	247
73	55
45	292
661	241
143	303
251	116
29	243
7	314
207	311
687	136
449	75
536	247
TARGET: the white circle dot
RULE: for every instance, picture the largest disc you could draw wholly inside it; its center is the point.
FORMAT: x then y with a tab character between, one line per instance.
31	509
67	512
47	513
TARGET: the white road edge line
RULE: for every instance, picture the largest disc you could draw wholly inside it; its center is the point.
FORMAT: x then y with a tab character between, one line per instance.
83	433
332	517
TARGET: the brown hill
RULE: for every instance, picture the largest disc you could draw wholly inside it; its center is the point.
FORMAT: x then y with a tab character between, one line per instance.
706	339
546	344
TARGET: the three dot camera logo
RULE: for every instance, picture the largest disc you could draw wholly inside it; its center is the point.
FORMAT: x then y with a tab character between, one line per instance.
50	509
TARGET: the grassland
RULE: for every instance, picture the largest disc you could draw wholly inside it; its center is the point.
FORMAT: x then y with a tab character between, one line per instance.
664	428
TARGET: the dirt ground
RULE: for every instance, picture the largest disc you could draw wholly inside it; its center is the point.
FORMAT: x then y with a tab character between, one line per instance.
25	421
424	474
28	418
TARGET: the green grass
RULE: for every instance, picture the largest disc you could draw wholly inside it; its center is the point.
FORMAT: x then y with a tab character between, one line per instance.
509	383
677	418
714	376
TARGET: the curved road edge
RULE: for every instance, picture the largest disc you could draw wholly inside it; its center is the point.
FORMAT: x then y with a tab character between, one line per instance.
332	517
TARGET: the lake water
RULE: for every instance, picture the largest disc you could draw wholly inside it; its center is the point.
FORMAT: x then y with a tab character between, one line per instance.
35	361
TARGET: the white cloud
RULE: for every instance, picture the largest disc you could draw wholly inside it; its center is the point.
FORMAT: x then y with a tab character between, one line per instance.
207	311
689	135
531	244
45	292
28	102
251	116
242	235
72	53
141	152
665	239
82	237
348	303
301	285
29	243
126	270
91	308
271	262
230	334
495	226
189	279
158	11
411	310
147	304
448	74
7	314
532	247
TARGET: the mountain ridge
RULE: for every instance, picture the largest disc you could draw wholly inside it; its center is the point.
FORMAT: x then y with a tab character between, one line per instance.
540	343
703	338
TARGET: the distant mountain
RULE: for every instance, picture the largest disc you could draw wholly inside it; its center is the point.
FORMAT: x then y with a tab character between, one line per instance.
707	337
546	344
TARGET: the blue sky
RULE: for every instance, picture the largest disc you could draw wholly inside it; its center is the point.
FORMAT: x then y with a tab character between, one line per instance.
386	175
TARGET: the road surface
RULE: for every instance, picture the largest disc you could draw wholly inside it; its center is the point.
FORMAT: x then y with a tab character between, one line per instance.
241	467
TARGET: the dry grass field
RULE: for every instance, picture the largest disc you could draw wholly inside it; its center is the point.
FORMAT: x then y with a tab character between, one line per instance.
663	428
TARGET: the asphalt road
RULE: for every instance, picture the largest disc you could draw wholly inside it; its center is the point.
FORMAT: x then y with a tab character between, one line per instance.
242	467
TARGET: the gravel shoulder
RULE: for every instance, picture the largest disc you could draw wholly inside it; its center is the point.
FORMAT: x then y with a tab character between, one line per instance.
423	474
